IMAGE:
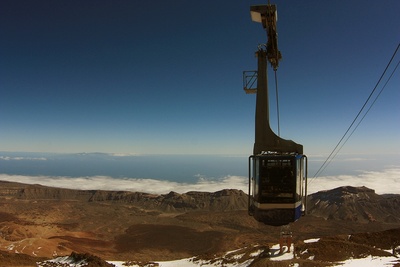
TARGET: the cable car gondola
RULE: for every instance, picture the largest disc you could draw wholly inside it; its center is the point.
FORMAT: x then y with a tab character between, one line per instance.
277	188
277	168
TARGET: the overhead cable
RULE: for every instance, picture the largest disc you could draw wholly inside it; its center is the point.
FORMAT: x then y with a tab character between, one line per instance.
337	149
277	102
365	114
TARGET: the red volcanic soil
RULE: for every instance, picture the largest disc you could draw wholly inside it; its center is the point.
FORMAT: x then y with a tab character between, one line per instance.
39	222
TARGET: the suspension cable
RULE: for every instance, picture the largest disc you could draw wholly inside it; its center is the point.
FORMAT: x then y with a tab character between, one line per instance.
373	102
365	114
330	158
277	102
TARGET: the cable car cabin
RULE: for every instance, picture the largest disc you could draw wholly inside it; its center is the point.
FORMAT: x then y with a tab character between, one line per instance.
277	188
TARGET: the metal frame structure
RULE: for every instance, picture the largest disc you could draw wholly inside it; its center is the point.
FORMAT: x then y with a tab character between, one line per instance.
277	168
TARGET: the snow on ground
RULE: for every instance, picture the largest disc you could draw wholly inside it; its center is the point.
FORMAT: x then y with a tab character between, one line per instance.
230	259
312	240
369	261
66	260
275	254
186	263
233	259
177	263
191	262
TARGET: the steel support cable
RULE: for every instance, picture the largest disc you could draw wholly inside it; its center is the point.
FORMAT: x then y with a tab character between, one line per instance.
277	102
365	114
376	98
355	119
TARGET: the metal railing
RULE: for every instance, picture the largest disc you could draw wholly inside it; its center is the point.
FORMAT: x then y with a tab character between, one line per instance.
250	81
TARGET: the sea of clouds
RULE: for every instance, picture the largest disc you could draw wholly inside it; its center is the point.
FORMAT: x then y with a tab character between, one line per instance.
163	174
386	181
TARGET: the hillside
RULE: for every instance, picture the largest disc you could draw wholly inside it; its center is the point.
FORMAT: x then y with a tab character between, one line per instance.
47	222
223	200
357	204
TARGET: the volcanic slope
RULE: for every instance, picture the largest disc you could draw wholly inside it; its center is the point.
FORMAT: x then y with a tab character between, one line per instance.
363	249
48	222
358	204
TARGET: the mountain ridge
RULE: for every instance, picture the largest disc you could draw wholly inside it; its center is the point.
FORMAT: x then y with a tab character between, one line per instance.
223	200
46	222
359	204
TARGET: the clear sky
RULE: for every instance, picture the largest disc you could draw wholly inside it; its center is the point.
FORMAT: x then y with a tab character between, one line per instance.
165	77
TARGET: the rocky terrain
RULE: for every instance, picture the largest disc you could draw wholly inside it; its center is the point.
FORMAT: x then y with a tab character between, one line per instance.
38	223
357	204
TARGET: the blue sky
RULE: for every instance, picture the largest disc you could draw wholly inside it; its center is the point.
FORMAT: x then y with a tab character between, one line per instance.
165	77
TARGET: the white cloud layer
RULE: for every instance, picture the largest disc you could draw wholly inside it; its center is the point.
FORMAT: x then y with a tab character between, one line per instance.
21	158
131	184
386	181
383	182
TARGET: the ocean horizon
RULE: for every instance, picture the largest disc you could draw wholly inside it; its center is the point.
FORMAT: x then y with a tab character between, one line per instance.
180	173
177	168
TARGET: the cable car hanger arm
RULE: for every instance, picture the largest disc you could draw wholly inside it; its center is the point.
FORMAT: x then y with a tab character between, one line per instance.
267	15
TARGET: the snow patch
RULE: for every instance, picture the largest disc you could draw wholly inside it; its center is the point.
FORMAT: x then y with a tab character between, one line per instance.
275	254
186	263
304	252
312	240
369	261
65	261
256	253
